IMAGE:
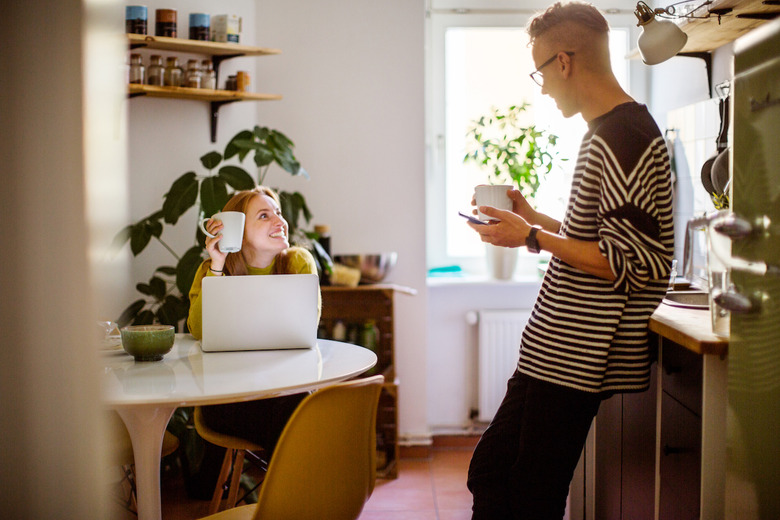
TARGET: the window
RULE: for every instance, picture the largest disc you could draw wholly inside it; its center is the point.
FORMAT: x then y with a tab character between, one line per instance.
475	62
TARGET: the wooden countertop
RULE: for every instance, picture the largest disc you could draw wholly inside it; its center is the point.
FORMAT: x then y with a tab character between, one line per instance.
691	328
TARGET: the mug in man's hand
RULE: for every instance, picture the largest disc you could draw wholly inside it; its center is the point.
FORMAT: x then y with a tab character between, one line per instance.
232	230
492	195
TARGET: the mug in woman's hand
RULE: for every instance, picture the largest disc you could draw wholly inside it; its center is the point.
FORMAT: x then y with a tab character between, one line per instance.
232	230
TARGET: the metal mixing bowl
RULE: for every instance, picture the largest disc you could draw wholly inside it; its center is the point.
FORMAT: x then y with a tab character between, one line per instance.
374	268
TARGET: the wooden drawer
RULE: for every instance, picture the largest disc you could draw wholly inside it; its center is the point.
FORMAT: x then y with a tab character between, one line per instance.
682	375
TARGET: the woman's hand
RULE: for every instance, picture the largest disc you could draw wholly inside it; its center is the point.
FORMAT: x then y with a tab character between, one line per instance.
214	226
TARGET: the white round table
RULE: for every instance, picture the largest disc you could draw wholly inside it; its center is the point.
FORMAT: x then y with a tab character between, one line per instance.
145	394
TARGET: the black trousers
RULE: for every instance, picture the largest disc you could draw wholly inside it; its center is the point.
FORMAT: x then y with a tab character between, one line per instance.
524	462
260	421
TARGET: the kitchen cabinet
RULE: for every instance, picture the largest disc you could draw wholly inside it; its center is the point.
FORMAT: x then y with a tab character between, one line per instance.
680	433
625	456
218	52
691	415
353	307
661	453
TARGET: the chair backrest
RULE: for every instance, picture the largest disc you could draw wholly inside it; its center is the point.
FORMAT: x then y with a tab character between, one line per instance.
324	465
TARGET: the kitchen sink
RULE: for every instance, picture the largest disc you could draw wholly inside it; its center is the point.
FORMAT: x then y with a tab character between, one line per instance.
687	299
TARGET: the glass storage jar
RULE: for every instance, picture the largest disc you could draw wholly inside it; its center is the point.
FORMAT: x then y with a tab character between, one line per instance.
173	73
136	69
156	71
209	77
192	78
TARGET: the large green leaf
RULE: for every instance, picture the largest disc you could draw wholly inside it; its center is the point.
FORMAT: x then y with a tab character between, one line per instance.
140	235
281	139
261	132
186	269
121	238
145	317
240	144
263	156
129	314
237	177
213	195
166	269
181	197
172	311
211	160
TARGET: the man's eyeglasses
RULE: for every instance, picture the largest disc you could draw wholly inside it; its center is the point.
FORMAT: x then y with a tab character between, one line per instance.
537	75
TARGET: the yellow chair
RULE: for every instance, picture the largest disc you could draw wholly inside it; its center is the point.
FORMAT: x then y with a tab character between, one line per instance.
324	465
233	462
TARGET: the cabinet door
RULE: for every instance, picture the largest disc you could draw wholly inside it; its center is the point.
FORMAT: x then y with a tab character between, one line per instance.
682	375
680	461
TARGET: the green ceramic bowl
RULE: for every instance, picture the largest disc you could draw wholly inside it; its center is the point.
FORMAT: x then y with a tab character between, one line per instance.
147	342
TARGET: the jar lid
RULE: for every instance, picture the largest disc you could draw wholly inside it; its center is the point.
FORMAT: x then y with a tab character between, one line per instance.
165	15
199	20
135	12
321	229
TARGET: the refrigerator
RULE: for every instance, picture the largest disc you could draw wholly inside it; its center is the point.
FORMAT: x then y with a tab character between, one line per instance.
753	295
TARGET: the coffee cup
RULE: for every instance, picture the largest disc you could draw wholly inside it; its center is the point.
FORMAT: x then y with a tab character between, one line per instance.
493	195
232	230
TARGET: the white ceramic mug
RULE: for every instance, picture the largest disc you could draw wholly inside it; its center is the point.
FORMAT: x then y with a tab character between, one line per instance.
232	230
493	195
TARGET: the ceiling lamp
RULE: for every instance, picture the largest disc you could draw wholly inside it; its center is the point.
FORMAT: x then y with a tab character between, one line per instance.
660	39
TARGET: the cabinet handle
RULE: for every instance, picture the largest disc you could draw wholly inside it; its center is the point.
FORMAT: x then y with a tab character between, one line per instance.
733	301
673	450
671	370
767	102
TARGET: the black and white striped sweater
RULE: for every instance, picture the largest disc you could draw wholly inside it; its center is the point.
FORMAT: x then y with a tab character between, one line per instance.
590	333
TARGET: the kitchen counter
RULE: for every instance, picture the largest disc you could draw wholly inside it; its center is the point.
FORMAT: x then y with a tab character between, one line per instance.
691	328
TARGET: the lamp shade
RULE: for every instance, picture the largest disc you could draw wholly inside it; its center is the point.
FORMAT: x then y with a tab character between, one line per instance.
660	40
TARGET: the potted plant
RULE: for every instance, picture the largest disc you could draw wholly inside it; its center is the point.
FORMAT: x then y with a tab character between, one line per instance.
165	296
511	153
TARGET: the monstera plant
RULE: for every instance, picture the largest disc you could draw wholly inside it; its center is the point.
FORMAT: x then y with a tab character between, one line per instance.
165	297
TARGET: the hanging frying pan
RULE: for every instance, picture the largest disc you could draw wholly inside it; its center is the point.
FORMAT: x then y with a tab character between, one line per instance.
721	144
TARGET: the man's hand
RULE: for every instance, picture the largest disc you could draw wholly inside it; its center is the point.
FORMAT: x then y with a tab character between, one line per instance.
510	231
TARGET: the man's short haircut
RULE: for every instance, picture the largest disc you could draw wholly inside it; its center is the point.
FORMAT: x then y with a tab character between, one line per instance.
583	14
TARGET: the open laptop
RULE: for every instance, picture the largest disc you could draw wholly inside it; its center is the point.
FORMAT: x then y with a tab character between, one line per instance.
266	312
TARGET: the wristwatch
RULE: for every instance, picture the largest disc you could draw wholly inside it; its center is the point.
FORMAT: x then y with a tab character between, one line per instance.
530	241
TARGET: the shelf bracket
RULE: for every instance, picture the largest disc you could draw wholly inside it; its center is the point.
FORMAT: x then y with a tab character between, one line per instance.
707	57
215	106
217	60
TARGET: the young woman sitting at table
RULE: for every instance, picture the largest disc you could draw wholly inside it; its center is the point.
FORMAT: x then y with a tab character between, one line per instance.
265	251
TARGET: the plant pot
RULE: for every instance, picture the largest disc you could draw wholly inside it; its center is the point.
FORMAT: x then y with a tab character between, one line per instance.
501	261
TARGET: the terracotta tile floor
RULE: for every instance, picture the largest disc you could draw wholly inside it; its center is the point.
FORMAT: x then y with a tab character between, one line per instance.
431	486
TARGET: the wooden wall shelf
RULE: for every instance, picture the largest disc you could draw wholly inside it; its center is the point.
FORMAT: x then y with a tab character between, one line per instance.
218	53
198	94
710	33
164	43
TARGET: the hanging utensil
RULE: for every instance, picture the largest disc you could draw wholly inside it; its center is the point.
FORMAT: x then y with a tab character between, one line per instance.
721	144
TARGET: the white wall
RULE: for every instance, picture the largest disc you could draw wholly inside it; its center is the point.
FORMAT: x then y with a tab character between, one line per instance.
351	74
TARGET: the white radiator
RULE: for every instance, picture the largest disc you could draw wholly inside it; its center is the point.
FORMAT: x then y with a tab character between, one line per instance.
499	347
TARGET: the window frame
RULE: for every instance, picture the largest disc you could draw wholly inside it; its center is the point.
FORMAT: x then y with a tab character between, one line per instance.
437	24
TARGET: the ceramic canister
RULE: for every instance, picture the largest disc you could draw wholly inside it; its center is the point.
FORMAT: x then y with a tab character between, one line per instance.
135	19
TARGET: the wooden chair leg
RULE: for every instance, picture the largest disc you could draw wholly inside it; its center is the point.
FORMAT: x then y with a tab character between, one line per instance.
216	499
235	482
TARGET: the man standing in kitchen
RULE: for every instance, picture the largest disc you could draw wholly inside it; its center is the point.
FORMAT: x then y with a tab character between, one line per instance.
587	337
